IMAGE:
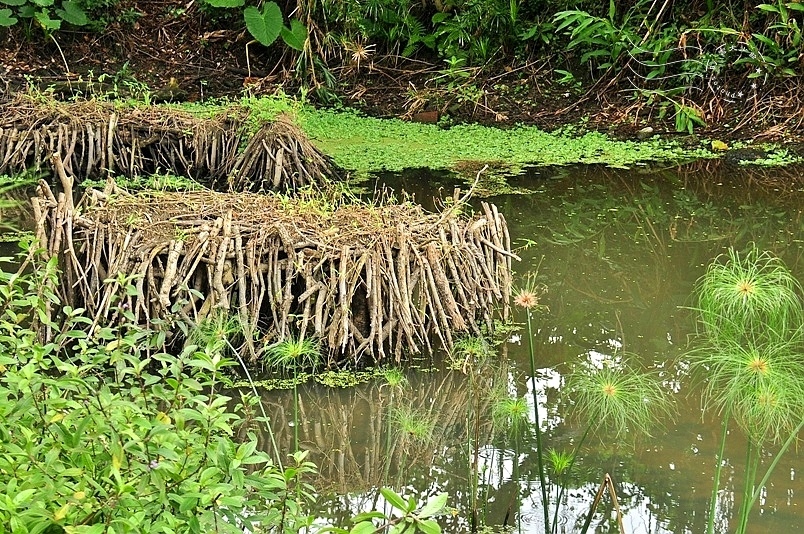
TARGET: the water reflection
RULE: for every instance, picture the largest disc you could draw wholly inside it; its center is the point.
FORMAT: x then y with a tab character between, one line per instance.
619	252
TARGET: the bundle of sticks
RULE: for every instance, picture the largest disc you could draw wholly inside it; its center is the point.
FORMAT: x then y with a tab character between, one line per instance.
371	280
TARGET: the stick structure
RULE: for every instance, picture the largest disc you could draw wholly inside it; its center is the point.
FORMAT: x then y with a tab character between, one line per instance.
372	281
97	140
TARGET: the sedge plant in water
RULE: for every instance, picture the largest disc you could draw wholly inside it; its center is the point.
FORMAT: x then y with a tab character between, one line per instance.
293	356
528	298
396	381
748	356
617	397
471	355
510	416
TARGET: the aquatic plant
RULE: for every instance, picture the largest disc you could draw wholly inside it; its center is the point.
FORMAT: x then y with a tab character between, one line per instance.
292	356
395	380
748	356
748	295
217	332
469	351
617	397
413	425
511	414
560	461
367	144
527	297
471	355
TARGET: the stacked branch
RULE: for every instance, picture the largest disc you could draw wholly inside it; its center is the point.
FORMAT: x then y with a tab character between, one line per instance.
97	140
379	280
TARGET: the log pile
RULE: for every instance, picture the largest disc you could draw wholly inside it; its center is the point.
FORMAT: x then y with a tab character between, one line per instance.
98	140
370	280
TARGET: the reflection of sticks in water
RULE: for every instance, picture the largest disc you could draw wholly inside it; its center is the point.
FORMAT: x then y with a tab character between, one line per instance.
346	430
606	484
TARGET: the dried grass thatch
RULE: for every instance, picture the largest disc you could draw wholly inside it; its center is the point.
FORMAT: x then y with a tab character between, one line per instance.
382	280
98	139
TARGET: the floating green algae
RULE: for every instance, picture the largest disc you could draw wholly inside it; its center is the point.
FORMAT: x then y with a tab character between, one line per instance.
367	144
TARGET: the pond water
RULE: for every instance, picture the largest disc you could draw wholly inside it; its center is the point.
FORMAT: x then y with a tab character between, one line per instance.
619	252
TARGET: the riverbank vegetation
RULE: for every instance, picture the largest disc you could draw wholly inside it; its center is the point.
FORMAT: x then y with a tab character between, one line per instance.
676	67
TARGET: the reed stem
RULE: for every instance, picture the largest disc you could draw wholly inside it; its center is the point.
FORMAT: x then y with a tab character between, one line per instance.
539	449
710	525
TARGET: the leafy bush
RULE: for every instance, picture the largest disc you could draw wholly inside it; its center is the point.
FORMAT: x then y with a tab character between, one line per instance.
46	13
102	430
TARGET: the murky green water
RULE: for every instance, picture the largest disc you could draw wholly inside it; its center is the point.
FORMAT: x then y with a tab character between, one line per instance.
619	252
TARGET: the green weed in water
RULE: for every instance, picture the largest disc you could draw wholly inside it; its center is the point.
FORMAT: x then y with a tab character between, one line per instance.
748	295
413	425
618	398
470	351
367	144
560	461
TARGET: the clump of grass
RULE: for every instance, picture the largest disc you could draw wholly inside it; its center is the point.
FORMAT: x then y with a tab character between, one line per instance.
560	461
394	378
217	332
511	414
293	355
470	352
413	425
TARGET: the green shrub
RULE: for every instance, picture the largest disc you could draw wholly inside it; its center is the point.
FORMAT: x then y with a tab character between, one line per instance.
102	430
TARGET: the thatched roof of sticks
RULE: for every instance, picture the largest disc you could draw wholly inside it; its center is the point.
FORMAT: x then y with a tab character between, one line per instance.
99	139
380	280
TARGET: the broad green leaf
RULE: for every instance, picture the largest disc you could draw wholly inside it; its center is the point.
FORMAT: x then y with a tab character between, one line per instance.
264	25
365	527
71	12
296	35
365	516
6	19
13	3
429	526
394	499
433	506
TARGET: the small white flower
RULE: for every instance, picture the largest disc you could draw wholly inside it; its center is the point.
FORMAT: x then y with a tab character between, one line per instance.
754	86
